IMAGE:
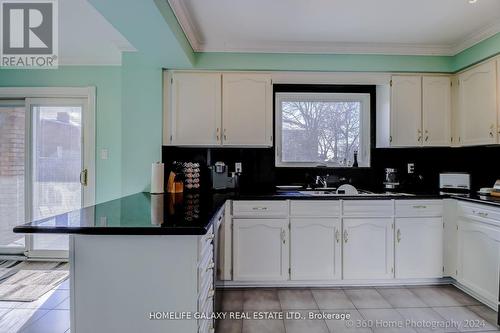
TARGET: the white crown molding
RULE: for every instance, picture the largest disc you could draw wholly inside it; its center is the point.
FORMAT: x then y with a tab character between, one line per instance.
476	37
195	39
328	48
192	33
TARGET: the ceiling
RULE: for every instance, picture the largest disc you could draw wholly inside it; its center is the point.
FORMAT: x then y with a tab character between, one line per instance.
423	27
86	37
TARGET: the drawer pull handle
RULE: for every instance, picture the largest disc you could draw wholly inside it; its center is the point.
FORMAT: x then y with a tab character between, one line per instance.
481	214
259	208
398	235
346	236
419	206
337	235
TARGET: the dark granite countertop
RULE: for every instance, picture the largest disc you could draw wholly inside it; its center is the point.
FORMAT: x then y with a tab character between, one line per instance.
182	214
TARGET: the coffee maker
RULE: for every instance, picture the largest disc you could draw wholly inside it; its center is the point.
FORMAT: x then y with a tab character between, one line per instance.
220	178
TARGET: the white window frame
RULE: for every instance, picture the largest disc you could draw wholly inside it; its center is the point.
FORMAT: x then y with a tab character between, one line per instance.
365	125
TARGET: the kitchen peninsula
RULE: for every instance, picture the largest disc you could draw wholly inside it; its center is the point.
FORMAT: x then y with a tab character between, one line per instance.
137	258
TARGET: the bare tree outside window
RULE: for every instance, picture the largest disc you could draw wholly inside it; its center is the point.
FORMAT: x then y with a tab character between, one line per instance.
320	131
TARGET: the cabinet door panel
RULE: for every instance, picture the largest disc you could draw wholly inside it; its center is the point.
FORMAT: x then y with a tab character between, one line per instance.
436	110
196	109
246	107
478	105
260	249
419	248
368	248
406	111
315	248
479	257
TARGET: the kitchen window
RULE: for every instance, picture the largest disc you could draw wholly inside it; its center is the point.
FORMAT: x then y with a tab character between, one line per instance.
322	129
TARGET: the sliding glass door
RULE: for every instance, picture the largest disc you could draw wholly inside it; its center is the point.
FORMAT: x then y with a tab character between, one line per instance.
44	155
57	171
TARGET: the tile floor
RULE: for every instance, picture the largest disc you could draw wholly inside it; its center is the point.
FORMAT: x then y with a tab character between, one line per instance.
387	306
436	304
49	314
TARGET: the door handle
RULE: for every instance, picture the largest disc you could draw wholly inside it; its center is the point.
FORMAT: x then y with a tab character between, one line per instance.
84	177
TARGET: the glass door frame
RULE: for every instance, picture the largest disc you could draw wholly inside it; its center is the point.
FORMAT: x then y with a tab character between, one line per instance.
55	96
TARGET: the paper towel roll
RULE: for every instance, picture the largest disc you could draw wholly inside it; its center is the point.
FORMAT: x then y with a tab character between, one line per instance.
157	209
157	174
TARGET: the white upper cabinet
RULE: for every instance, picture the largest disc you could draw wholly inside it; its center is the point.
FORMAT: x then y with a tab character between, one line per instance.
195	116
218	109
478	105
246	109
498	100
406	111
436	110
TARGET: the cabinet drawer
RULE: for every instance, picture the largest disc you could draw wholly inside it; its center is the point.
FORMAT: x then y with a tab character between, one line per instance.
315	208
490	214
368	208
419	208
256	208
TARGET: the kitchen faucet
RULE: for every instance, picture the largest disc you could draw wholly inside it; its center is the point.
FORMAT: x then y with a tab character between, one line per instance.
323	181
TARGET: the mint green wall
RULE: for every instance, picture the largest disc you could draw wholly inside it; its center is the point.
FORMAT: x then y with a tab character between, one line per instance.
107	81
141	122
485	49
322	62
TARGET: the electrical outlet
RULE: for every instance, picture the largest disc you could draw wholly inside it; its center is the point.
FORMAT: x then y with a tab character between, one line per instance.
411	168
104	154
238	168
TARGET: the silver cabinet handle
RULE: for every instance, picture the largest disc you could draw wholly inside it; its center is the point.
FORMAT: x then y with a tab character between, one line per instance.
346	236
398	235
419	206
210	266
259	208
225	136
337	235
283	236
217	133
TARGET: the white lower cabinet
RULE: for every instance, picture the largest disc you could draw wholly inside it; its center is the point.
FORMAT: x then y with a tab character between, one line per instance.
315	245
419	247
260	249
479	256
368	248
